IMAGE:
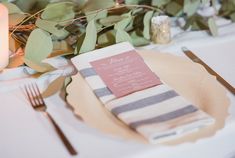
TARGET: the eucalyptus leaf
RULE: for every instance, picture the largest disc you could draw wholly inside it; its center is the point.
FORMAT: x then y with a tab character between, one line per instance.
122	36
106	39
138	40
50	26
130	2
61	11
195	26
137	11
201	23
124	22
160	3
38	47
130	26
96	16
191	6
147	21
89	42
79	43
92	5
196	22
54	87
31	6
110	20
12	8
174	8
212	26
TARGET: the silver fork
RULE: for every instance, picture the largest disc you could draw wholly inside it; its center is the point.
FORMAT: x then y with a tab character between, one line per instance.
36	100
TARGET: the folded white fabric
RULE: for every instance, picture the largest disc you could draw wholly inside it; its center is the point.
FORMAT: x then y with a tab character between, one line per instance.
158	113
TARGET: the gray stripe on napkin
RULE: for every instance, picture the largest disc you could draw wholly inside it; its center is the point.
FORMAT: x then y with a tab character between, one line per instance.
164	135
101	92
87	72
165	117
144	102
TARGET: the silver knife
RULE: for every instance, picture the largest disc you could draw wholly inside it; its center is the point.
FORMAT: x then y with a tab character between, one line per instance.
194	58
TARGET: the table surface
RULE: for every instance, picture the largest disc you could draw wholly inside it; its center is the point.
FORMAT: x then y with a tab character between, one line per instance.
26	133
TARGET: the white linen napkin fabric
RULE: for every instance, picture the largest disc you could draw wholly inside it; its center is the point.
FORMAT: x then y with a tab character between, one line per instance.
158	113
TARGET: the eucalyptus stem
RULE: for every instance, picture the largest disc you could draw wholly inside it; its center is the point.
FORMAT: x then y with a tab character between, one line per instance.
26	21
81	17
91	13
40	11
112	8
141	6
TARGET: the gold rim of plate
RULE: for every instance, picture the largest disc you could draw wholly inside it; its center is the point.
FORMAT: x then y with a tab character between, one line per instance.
189	79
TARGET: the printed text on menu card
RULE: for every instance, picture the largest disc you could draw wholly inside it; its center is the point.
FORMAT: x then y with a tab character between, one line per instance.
125	73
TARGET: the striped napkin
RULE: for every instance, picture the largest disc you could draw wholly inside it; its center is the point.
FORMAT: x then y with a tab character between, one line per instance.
158	113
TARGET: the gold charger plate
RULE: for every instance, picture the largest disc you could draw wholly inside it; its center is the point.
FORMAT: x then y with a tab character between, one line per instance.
189	79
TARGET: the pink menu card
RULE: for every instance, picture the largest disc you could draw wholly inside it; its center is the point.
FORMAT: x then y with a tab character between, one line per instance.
125	73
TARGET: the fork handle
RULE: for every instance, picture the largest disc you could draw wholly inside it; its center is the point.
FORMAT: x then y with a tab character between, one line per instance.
64	139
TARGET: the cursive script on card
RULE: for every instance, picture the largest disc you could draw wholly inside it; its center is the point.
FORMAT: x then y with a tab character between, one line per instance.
125	73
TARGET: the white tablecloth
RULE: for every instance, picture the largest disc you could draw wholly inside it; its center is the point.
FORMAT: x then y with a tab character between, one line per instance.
25	133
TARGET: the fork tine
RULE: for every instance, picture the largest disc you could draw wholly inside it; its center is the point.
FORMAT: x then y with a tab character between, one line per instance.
28	95
32	95
39	94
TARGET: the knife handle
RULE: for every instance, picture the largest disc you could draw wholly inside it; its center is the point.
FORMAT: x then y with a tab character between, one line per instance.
193	57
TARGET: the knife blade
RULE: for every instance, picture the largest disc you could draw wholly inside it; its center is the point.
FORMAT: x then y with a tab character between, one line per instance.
196	59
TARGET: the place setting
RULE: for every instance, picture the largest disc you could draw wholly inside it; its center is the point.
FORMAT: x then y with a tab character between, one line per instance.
116	79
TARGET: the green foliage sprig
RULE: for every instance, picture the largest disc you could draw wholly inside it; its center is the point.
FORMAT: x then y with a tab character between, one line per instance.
47	28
